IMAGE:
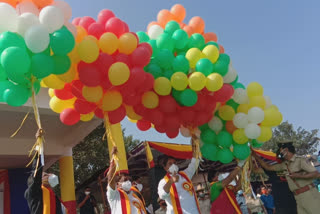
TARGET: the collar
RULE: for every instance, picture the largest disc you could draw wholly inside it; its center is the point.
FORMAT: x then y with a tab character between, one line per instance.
293	158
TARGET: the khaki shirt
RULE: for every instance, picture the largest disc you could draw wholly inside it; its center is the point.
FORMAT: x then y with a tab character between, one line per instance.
296	165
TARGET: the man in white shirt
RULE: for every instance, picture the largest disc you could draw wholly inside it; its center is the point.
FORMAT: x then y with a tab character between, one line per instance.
177	189
121	199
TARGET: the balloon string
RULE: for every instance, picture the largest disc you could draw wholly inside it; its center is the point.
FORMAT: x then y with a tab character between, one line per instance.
21	125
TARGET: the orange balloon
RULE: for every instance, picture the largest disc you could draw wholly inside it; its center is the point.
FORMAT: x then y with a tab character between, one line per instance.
210	37
182	25
179	12
221	49
164	16
13	3
189	30
42	3
197	23
151	24
230	126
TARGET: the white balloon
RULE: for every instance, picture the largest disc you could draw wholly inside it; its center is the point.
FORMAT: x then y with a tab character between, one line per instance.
8	18
185	132
71	28
215	124
240	96
230	76
37	38
27	7
51	17
240	120
256	115
252	131
25	21
155	31
268	101
66	9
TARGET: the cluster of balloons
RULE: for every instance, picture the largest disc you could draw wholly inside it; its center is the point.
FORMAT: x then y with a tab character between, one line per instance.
34	44
246	118
107	76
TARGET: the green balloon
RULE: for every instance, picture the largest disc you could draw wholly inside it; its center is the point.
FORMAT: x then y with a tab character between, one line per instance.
224	139
204	127
256	144
61	64
153	44
62	42
181	53
208	136
225	156
196	41
42	65
180	38
3	75
36	86
204	66
167	74
209	151
171	27
4	85
9	39
18	78
164	41
143	37
188	97
233	104
224	57
241	151
155	70
213	43
235	81
16	95
220	67
239	85
15	60
165	59
180	64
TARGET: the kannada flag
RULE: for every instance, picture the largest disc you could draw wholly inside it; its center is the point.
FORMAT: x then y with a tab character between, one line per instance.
179	151
149	155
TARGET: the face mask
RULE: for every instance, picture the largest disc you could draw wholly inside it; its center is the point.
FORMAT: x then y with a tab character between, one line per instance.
53	180
87	192
126	186
139	187
201	195
173	168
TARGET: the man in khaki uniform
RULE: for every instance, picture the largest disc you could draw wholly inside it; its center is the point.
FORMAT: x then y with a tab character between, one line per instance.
299	174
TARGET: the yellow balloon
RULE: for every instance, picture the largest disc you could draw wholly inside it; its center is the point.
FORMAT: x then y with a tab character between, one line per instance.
51	92
92	94
52	81
88	50
197	81
70	75
211	52
150	100
94	39
119	73
86	117
111	100
214	82
132	114
239	136
58	105
266	134
272	117
162	86
74	56
244	108
43	85
81	34
132	121
127	43
179	81
254	89
226	112
193	55
108	43
257	101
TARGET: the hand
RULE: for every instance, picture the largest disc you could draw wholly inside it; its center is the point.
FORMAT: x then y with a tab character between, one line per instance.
87	197
294	175
175	177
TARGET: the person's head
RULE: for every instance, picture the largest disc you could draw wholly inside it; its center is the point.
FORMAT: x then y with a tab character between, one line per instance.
124	182
49	180
286	150
263	190
213	175
87	191
162	203
269	190
137	182
170	164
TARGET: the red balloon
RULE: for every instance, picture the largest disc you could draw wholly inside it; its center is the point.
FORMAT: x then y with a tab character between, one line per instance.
104	16
84	107
146	45
76	21
159	128
225	93
115	25
132	99
202	118
65	93
126	28
167	104
99	113
140	109
138	76
104	62
86	21
172	122
96	30
187	116
143	125
172	134
69	116
120	57
148	83
89	74
76	88
140	57
117	115
201	103
155	116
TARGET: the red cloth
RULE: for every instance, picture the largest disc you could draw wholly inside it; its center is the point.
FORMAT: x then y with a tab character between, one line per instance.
223	205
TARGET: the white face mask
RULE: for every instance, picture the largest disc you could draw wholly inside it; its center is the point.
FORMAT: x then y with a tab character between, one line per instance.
173	169
126	186
87	192
53	180
139	187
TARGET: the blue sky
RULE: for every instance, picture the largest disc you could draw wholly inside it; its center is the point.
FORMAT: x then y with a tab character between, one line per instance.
275	43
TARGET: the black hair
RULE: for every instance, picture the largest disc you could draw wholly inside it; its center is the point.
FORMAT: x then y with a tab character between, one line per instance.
87	187
289	146
135	177
166	159
211	174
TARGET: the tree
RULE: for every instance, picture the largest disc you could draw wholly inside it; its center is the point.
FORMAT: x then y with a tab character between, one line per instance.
92	155
305	142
